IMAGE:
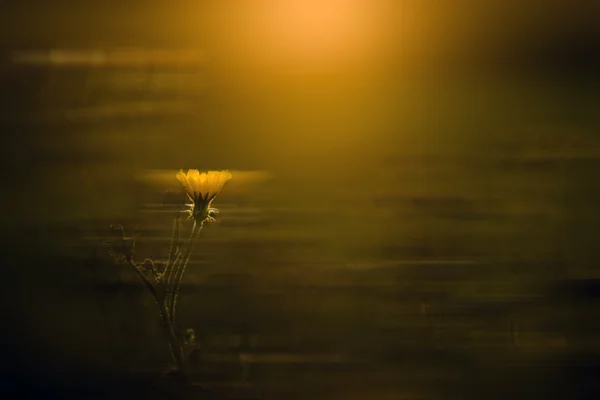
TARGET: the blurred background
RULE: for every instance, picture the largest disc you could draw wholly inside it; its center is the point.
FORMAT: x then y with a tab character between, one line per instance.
413	212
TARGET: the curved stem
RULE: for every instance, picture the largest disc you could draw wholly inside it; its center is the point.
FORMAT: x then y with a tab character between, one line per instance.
174	342
147	283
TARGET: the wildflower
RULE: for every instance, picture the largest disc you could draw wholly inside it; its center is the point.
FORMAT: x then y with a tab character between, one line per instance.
202	188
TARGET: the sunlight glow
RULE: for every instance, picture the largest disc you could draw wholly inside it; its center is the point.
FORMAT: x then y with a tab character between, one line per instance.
314	28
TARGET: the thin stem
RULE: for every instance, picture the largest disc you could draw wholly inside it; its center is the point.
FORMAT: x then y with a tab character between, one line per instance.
174	255
174	342
169	274
147	283
174	270
181	270
174	248
168	283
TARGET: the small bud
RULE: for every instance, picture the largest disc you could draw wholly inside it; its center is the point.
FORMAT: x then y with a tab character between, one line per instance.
190	336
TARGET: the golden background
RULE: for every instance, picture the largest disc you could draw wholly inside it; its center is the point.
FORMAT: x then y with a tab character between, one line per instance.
413	208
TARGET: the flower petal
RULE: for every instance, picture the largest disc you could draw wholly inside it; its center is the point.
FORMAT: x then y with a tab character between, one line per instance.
182	177
203	187
201	183
212	181
224	177
193	173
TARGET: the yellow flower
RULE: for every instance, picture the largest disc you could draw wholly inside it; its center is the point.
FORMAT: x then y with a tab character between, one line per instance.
201	189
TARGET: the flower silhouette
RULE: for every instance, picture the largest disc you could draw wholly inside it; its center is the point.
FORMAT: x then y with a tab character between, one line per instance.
202	188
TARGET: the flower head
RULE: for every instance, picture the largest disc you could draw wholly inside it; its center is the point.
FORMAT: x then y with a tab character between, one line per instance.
201	189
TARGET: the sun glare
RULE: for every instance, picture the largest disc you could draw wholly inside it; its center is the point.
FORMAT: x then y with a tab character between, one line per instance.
317	24
318	29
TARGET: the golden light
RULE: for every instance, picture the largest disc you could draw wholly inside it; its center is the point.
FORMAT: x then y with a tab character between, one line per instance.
318	28
297	33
